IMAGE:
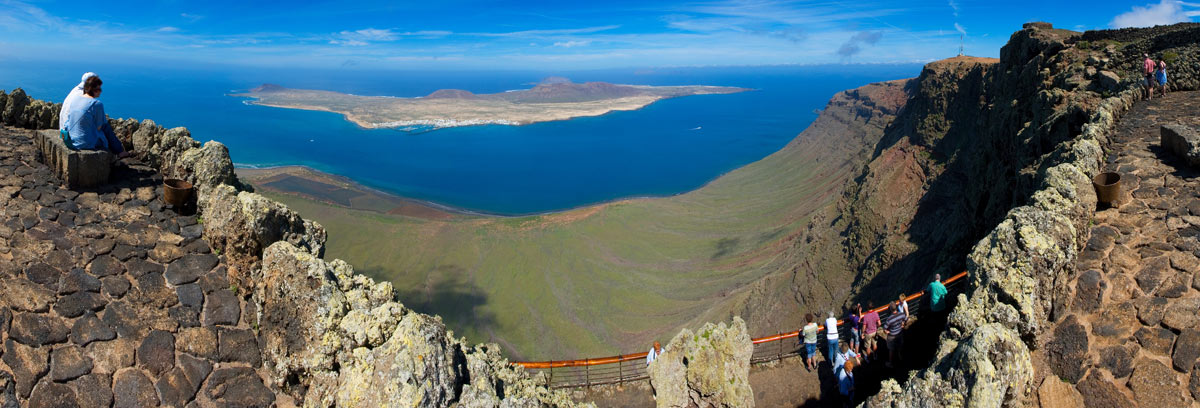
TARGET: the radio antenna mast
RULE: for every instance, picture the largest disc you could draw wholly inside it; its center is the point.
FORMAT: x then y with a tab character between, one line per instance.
961	42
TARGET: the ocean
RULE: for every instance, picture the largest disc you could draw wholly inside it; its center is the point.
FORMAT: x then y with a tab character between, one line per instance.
669	147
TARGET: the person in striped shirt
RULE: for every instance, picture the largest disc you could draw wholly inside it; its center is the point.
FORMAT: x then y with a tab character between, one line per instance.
894	325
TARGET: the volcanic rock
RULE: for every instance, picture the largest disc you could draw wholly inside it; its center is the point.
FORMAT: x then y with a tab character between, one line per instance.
710	367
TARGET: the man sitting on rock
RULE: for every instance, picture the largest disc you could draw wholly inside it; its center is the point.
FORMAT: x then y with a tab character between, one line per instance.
74	95
87	125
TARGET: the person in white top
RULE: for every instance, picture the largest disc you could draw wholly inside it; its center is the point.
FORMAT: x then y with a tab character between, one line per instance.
831	336
653	354
75	94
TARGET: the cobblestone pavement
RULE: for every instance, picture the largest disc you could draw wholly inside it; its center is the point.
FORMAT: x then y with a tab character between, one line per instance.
112	300
1131	336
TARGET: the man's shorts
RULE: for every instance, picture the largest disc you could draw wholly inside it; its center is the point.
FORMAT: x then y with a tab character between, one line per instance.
869	341
811	349
1151	80
895	342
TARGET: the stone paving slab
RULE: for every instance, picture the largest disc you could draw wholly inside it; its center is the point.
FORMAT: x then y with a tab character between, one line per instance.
113	300
1136	290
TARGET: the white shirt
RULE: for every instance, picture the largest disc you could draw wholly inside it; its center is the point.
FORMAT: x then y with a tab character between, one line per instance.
831	326
651	356
841	358
75	94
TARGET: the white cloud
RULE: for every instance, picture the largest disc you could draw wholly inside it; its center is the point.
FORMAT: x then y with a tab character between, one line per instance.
954	6
542	33
352	43
572	43
371	34
168	29
958	27
1165	12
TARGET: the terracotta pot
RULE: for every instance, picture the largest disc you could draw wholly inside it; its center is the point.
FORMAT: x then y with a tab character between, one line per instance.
176	192
1108	188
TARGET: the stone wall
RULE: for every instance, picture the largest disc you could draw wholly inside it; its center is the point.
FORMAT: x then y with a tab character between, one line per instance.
329	336
1018	270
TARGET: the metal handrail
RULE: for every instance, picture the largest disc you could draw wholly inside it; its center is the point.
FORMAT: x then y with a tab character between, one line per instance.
569	377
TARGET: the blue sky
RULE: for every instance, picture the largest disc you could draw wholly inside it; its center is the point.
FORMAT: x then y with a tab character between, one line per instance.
457	34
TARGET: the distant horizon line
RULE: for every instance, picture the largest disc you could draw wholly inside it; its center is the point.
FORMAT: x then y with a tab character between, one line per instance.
459	68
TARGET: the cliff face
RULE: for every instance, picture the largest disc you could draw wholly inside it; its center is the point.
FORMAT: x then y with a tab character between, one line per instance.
1004	192
973	141
814	272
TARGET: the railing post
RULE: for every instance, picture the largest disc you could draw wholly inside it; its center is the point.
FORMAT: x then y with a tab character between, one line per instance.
587	373
779	339
551	374
620	370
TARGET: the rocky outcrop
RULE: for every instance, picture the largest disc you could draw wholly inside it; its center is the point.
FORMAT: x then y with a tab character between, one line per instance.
243	224
332	337
176	154
1182	141
19	110
707	368
1019	270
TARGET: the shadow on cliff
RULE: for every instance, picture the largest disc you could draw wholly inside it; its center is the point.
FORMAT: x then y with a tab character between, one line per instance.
448	293
970	129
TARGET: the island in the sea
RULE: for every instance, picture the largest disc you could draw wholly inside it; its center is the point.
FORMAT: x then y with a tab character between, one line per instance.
553	99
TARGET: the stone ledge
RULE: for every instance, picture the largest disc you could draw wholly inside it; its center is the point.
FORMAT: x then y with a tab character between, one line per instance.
1182	141
77	168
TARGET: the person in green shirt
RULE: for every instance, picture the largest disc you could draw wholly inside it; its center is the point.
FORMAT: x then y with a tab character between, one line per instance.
810	342
937	294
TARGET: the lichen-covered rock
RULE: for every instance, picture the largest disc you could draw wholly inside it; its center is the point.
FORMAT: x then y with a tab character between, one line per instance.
1018	265
207	167
419	365
991	368
333	337
707	368
177	155
14	110
242	224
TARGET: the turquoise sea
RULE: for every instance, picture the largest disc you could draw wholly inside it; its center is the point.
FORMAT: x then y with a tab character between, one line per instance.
669	147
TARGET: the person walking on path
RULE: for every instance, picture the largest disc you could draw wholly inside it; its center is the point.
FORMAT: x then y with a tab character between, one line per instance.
870	324
937	294
1161	76
810	331
895	330
852	322
831	336
1148	73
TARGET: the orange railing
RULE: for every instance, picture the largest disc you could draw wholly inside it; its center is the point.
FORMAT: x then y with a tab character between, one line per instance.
632	367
